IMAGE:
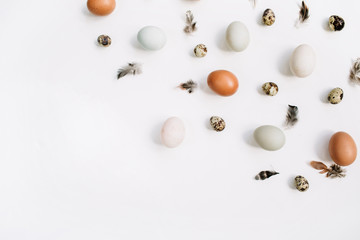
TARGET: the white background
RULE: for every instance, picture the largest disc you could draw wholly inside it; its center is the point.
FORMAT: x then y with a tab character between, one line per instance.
80	154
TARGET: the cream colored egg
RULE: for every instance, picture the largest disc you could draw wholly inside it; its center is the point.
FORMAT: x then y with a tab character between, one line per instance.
237	36
172	132
303	61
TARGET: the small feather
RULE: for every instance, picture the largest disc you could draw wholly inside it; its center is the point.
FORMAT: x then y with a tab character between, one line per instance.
318	165
292	115
333	171
336	171
355	71
304	12
131	68
265	174
189	86
190	24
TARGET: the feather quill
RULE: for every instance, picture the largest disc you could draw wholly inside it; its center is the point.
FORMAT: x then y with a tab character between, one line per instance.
190	24
131	68
292	115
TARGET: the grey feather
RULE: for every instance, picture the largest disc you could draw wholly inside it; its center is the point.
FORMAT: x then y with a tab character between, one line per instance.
355	71
292	115
190	24
131	68
189	86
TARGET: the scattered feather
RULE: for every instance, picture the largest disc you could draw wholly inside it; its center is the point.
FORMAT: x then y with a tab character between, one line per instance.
333	171
189	86
355	71
336	171
190	24
304	12
292	116
265	174
131	68
318	165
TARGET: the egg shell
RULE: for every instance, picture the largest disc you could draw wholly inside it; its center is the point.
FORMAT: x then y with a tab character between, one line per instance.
237	36
151	38
269	137
302	61
301	183
335	96
342	149
223	82
101	7
172	132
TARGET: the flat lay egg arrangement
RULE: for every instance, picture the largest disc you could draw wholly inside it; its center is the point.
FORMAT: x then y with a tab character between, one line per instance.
223	83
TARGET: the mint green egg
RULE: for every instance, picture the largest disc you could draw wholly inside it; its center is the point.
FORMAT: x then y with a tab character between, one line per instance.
269	137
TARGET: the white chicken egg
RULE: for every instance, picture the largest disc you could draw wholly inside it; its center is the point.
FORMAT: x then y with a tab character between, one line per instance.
151	38
172	132
237	36
302	61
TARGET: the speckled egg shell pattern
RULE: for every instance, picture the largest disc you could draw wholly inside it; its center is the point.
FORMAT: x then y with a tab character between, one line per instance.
217	123
268	17
104	40
301	183
336	95
336	23
270	88
200	50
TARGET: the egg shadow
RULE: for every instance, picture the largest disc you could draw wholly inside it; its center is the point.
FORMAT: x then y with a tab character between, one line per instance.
248	137
191	53
291	182
283	63
221	41
207	124
203	86
260	90
155	134
322	145
86	12
325	25
324	96
135	43
259	20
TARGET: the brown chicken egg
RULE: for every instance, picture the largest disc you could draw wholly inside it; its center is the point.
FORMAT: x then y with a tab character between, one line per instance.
223	82
101	7
342	149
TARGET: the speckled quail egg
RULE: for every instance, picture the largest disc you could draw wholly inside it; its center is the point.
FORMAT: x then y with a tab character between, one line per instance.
336	95
268	17
104	40
270	88
336	23
200	50
301	183
217	123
